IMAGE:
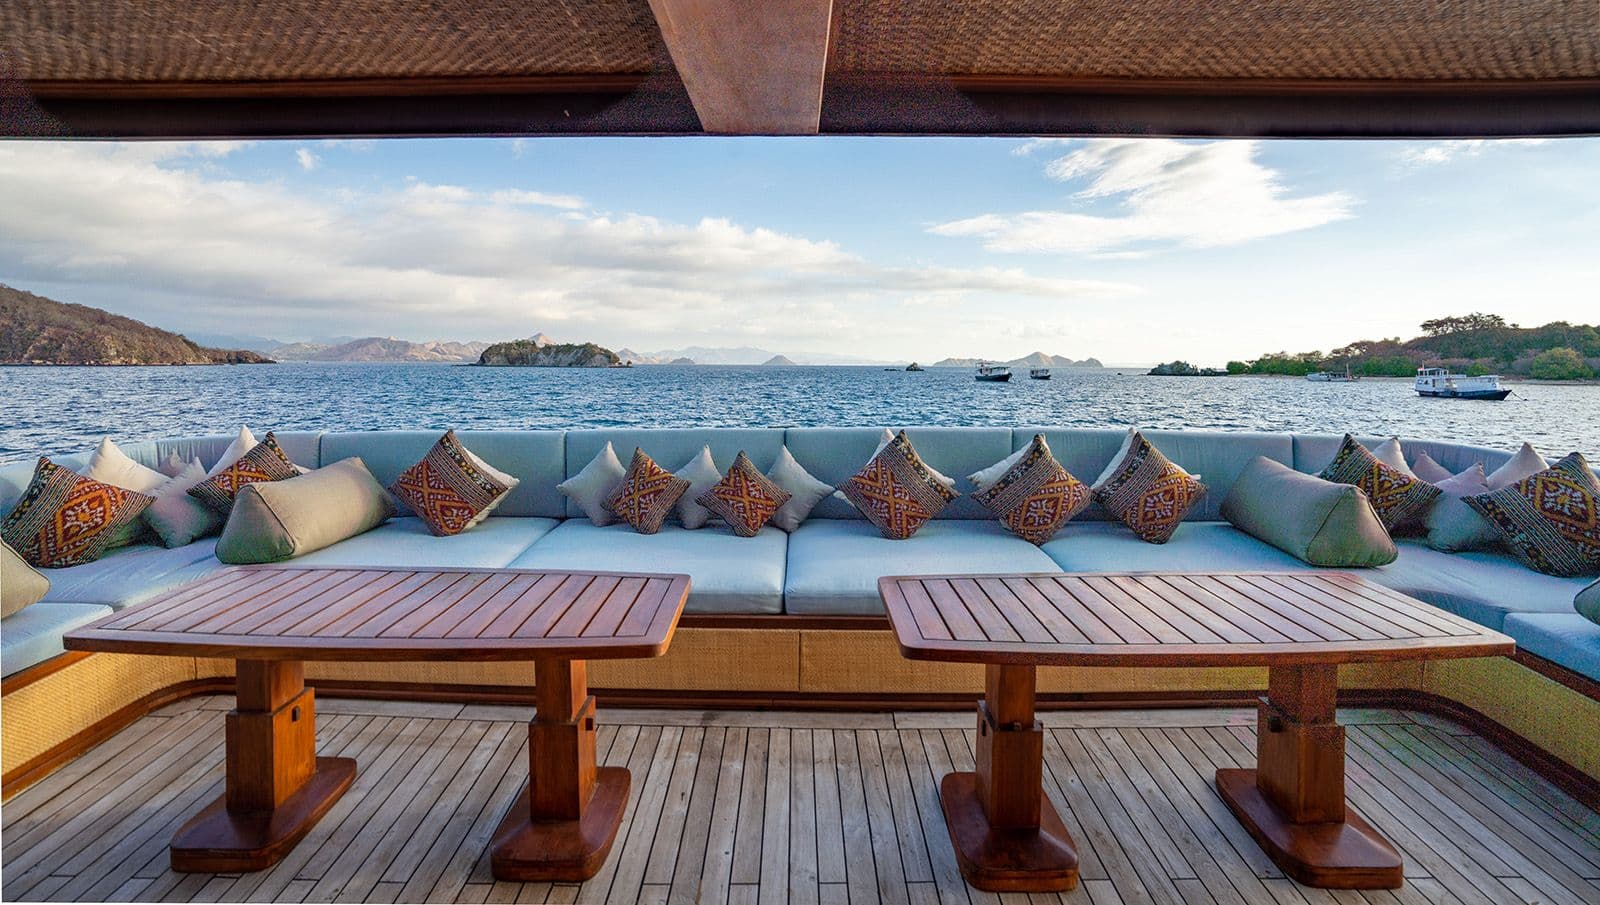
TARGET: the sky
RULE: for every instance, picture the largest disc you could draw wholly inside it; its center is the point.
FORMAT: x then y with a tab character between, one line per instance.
1132	251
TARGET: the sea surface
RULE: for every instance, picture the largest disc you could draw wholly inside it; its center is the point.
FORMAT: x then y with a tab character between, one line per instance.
63	410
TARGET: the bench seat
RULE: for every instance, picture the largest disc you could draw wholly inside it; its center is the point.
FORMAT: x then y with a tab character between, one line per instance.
130	575
835	564
728	574
1566	639
1195	546
33	634
492	544
1483	587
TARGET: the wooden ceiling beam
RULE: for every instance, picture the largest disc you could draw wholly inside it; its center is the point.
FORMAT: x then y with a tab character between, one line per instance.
751	67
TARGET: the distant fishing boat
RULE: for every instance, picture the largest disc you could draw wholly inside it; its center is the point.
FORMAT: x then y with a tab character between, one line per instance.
1038	373
1440	383
1333	376
990	373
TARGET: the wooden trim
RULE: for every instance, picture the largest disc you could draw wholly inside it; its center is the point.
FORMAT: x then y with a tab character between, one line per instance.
855	103
785	621
34	673
582	83
1555	672
45	763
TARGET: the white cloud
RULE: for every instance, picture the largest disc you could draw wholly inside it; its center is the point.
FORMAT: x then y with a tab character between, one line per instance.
203	250
1162	192
308	160
1434	153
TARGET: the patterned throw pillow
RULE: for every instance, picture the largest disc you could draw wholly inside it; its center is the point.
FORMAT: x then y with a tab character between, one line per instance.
451	489
744	498
647	493
896	491
1551	521
1035	496
1146	491
64	519
1397	496
264	462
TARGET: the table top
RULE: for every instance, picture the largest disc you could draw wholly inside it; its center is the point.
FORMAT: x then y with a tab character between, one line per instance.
1173	619
283	612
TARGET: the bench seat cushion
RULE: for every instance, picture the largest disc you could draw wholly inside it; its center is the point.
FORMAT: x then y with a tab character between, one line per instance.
835	564
33	635
491	544
129	575
1567	639
1480	586
1195	546
727	574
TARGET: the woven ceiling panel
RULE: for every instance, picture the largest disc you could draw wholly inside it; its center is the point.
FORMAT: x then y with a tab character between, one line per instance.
1204	39
183	40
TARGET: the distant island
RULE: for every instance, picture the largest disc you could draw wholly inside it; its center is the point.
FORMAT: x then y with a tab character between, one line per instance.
35	330
530	353
1469	344
1035	360
778	361
1184	369
384	349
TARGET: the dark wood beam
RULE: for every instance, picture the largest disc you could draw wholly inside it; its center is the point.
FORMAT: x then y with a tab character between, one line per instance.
750	68
1032	105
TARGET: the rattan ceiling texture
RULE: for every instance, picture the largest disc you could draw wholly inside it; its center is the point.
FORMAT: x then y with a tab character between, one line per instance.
1379	68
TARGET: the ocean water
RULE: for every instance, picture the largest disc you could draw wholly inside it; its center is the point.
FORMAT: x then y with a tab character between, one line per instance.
57	411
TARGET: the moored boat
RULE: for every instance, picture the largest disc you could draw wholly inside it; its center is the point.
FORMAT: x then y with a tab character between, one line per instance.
1039	374
991	373
1440	383
1333	376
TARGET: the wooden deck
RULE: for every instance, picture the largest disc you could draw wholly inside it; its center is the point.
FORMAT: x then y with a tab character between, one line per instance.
775	807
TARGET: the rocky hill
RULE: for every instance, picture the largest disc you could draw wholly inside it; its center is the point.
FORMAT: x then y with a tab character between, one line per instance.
778	361
527	353
1034	360
42	331
385	349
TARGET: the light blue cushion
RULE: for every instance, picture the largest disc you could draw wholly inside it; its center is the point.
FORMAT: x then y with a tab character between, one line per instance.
491	544
727	574
14	478
1216	456
833	454
835	564
1483	587
1194	547
672	448
1313	452
33	635
128	575
1564	638
535	458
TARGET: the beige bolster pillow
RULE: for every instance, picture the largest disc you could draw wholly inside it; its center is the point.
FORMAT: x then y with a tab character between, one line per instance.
276	520
1316	521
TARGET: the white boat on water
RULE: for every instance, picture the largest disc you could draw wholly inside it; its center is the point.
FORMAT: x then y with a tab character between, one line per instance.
1439	382
993	373
1038	373
1333	376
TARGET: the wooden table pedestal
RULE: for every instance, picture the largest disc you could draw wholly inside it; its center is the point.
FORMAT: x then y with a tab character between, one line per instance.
276	789
563	825
1293	802
1006	833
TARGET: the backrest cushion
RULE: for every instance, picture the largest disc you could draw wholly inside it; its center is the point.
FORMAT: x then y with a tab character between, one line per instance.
672	447
1313	452
535	458
1217	457
833	454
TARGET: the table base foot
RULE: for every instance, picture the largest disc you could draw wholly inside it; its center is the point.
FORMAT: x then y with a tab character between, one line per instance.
566	850
1007	860
1348	855
217	840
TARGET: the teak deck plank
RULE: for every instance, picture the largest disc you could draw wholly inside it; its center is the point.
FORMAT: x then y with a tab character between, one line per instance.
1476	827
351	613
1171	619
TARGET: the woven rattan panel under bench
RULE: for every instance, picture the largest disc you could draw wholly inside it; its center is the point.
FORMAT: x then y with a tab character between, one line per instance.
1301	625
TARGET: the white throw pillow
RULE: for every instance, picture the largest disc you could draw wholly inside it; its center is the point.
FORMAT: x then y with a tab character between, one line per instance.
985	479
591	487
1389	453
110	465
1116	462
888	436
173	465
1525	464
177	517
702	474
241	444
805	491
1429	470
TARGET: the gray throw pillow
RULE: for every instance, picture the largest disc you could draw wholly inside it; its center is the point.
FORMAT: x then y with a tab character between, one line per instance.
1587	603
1452	525
702	474
1316	521
21	585
276	520
178	518
593	486
805	491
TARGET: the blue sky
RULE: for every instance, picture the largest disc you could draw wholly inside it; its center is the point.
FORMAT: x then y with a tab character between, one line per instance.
1131	251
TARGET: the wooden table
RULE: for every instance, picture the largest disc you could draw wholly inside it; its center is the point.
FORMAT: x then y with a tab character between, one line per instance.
273	618
1301	625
